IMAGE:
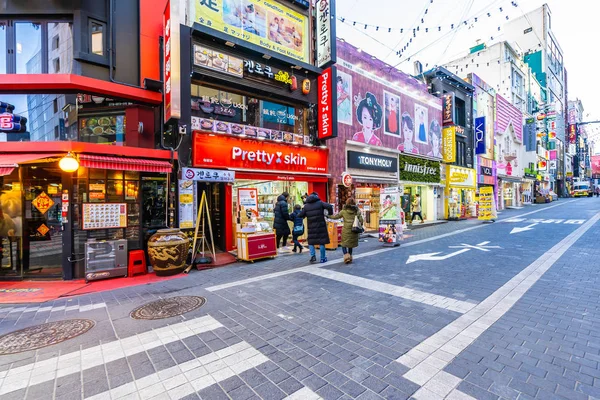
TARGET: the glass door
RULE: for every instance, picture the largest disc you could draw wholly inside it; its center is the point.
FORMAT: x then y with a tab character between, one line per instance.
42	224
11	223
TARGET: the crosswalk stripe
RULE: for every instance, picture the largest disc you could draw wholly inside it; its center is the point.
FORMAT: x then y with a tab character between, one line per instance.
63	365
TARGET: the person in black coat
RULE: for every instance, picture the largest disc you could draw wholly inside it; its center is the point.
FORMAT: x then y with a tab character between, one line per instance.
314	210
282	216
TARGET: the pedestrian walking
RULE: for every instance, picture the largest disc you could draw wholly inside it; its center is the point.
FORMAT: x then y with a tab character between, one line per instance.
314	211
298	228
416	209
597	191
280	221
350	236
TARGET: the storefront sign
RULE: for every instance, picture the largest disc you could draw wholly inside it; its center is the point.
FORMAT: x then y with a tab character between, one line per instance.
12	123
461	176
487	171
233	152
448	113
247	204
326	49
542	165
480	135
529	133
327	110
208	175
346	179
42	203
449	144
415	169
487	205
372	162
572	133
216	60
171	61
186	204
264	23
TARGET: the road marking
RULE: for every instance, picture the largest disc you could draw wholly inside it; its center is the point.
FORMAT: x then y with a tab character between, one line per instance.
433	256
428	359
483	246
523	229
397	291
77	361
547	221
370	253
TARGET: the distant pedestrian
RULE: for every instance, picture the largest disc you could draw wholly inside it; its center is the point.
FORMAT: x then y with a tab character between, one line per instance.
349	213
314	210
597	191
280	221
416	209
298	228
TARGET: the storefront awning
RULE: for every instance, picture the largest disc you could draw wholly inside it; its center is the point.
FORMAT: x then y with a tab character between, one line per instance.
13	160
125	164
511	179
6	171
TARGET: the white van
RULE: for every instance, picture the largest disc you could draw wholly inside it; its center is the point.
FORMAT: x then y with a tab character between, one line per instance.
581	189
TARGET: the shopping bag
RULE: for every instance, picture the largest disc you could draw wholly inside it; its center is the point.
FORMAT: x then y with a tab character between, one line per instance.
357	226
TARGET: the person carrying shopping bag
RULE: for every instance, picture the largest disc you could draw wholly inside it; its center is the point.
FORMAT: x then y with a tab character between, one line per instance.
352	228
314	210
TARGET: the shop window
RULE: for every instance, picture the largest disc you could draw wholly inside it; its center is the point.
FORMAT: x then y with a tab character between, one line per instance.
132	175
114	174
97	30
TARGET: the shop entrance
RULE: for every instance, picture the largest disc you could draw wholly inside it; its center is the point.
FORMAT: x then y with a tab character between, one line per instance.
215	196
42	222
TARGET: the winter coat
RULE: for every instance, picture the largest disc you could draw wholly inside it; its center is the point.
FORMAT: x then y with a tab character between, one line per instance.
349	238
282	216
297	220
317	226
416	205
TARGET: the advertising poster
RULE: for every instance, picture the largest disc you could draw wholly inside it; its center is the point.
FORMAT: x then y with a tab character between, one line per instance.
487	206
186	204
248	204
378	107
390	216
265	23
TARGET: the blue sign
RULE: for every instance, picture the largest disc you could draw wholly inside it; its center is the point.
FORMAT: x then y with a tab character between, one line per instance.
480	135
278	113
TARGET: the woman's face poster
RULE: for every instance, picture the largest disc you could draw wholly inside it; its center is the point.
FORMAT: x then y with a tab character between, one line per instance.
392	114
344	98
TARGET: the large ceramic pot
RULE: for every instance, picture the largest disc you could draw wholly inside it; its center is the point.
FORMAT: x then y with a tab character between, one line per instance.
168	250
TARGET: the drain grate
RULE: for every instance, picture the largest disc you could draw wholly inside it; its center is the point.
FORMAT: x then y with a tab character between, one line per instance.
166	308
38	336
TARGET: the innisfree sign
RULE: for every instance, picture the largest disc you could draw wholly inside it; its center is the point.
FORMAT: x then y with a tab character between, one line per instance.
414	169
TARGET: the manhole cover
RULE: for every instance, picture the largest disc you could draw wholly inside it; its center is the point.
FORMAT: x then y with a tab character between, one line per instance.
165	308
43	335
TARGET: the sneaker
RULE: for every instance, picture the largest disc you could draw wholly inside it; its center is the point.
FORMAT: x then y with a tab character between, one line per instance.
313	259
323	260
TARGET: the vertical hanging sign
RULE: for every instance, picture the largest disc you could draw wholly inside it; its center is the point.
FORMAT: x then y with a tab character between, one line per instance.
480	135
449	144
171	61
326	52
448	112
327	114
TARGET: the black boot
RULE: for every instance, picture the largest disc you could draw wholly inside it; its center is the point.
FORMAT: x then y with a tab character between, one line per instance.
313	259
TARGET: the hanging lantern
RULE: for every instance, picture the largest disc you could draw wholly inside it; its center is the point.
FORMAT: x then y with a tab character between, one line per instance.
68	163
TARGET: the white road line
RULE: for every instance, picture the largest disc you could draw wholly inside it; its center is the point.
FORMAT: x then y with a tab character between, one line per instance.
398	291
303	394
428	359
77	361
370	253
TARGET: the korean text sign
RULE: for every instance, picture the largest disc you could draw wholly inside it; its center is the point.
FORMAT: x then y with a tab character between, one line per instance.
265	23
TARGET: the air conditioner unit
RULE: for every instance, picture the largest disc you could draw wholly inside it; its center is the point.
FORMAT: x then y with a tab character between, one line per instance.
105	259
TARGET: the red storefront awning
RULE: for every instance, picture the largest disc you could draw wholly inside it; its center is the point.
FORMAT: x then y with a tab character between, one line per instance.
6	171
125	164
13	160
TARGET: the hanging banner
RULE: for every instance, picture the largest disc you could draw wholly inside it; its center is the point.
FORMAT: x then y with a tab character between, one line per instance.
487	206
326	51
480	135
327	128
264	23
171	61
449	144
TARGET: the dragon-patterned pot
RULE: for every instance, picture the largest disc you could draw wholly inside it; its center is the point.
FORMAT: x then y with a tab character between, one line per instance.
168	250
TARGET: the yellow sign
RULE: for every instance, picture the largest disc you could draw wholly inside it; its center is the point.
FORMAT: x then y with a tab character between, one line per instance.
265	23
43	229
461	177
16	186
487	205
449	144
52	190
43	203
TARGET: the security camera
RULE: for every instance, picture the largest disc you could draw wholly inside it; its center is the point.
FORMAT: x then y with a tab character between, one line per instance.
182	129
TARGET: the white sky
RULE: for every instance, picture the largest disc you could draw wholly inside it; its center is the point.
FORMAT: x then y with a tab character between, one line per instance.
575	23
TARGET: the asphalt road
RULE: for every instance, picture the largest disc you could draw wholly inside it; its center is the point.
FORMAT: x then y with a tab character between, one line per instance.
463	310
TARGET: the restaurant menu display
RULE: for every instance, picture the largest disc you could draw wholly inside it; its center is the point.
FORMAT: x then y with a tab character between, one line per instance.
104	215
218	61
487	206
187	207
102	129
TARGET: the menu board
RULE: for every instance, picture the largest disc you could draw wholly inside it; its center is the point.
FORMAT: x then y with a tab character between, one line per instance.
487	206
104	215
217	61
102	129
186	204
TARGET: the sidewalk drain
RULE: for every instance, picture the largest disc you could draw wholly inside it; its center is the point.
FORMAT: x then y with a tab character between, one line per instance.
166	308
48	334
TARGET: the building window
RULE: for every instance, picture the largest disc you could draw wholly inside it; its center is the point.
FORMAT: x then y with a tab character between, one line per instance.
97	37
517	83
56	132
55	40
28	48
3	50
55	104
56	65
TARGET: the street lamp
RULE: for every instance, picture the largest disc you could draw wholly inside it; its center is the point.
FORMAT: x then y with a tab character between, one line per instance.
69	163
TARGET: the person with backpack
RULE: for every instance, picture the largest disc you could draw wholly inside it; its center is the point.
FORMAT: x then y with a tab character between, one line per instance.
314	210
351	230
298	228
280	222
